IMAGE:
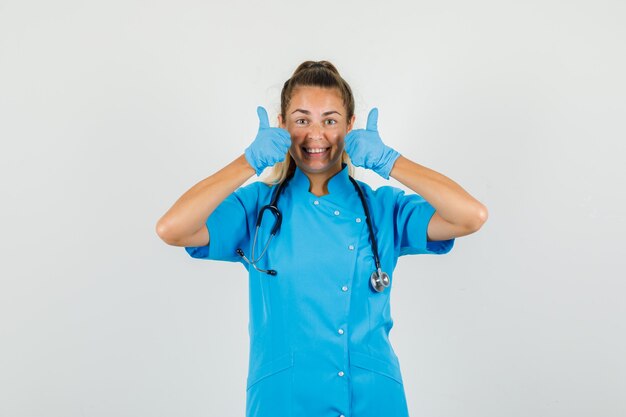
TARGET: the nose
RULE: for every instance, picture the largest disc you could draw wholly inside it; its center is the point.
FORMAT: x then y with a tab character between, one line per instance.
315	131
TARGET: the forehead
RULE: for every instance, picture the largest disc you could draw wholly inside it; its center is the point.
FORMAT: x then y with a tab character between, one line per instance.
316	98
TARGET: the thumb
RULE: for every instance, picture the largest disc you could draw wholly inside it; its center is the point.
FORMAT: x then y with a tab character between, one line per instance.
264	121
372	120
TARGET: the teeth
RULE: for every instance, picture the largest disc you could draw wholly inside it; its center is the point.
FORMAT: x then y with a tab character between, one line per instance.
315	150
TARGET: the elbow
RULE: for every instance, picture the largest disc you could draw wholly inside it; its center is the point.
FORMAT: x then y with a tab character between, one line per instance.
164	231
474	220
479	218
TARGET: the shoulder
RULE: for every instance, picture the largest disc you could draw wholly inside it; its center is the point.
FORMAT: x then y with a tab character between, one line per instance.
389	199
252	193
384	194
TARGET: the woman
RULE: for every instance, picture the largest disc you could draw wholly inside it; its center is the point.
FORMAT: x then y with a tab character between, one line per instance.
319	301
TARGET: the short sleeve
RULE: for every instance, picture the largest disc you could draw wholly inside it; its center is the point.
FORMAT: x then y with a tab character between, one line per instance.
228	227
413	213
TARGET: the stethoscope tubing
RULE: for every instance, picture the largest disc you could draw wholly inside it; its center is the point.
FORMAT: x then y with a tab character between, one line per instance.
368	220
379	279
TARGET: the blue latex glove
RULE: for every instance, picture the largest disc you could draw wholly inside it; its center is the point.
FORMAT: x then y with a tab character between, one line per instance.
366	149
270	145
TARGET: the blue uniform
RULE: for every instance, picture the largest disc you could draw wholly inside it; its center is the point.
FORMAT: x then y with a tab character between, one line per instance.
319	333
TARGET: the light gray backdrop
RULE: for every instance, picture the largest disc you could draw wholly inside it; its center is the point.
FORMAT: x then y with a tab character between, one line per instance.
110	110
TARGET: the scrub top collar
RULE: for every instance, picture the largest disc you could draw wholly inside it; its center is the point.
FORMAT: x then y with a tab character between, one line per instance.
339	186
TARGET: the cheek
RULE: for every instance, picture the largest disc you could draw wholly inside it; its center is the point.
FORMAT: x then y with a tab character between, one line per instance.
297	137
338	140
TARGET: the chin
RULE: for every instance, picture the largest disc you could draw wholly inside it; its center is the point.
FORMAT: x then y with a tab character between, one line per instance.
317	167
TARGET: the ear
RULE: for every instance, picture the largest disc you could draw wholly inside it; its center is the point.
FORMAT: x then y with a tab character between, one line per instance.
280	121
351	122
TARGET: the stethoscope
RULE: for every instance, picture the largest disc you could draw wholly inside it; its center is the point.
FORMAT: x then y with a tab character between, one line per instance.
379	279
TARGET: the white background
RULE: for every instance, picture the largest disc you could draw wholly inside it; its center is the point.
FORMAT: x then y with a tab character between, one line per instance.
110	110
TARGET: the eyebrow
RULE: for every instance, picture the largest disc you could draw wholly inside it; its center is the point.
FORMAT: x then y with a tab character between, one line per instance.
308	112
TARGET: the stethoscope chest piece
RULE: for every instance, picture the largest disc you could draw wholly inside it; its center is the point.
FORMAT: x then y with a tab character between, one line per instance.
379	280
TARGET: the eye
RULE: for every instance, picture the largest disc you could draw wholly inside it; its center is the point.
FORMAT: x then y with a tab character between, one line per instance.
331	121
300	121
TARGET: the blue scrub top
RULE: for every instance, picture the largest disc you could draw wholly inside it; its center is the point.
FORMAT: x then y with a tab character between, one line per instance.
319	333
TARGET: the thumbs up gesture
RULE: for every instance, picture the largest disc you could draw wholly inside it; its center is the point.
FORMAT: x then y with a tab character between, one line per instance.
270	145
367	150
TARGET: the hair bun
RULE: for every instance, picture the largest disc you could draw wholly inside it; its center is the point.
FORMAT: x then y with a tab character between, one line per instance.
311	65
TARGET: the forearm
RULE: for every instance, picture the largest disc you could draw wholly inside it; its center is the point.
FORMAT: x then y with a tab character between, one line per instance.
190	211
451	201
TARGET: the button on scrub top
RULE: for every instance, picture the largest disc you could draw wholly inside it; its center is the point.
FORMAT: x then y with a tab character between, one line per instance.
319	333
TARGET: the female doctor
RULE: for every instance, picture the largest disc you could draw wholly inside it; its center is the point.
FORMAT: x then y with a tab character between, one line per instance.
320	249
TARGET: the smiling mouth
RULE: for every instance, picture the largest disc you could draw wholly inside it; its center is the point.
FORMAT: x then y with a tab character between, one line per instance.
315	151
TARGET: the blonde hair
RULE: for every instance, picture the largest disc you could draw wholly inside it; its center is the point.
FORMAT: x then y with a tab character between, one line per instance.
318	74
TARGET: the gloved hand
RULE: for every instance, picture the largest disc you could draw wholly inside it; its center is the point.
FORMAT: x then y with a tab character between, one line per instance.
366	149
270	145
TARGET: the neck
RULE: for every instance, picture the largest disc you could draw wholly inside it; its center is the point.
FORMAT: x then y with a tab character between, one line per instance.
319	181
